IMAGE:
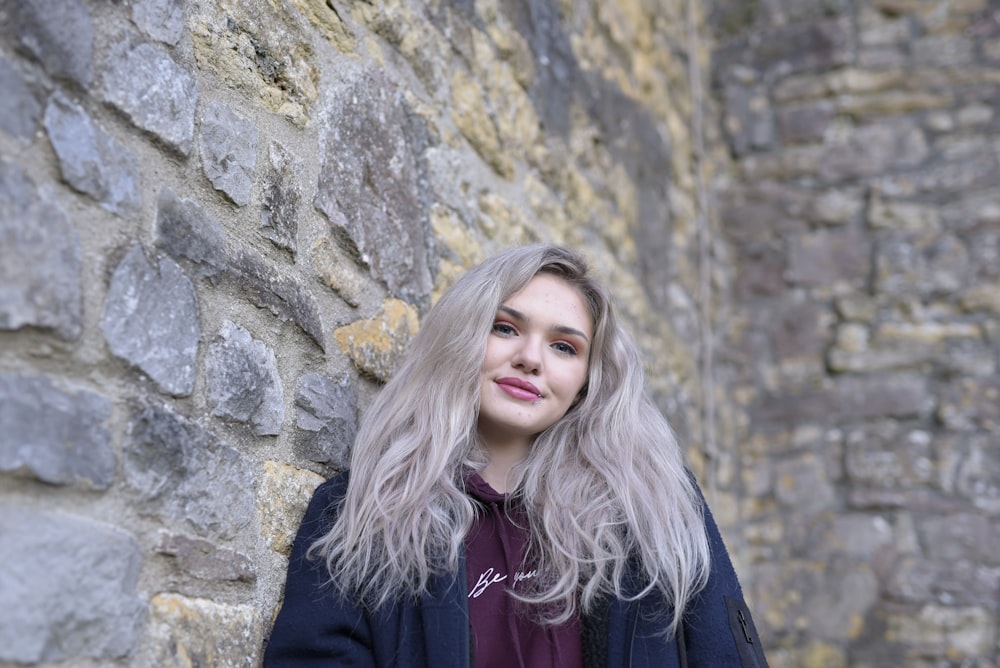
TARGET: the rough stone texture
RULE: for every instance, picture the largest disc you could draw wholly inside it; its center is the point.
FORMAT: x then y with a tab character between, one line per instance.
284	494
186	631
205	561
186	232
285	297
40	259
21	106
262	50
280	210
58	33
151	320
242	380
370	185
163	20
69	587
58	436
376	345
326	414
177	470
152	90
228	151
91	160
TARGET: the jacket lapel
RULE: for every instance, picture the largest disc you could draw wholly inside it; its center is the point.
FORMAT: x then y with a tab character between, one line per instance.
444	612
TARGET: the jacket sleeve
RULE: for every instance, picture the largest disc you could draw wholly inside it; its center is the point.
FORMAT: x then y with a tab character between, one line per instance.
315	625
718	629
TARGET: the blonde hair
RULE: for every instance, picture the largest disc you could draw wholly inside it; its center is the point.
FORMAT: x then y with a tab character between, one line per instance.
603	488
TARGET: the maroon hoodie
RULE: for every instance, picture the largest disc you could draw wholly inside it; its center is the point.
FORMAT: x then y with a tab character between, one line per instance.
504	633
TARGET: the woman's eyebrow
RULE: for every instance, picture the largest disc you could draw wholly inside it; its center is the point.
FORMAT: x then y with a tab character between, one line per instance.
563	329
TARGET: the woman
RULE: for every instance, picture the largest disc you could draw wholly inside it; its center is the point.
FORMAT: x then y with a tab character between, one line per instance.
514	499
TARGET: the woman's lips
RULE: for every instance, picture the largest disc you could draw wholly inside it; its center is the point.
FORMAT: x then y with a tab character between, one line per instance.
519	389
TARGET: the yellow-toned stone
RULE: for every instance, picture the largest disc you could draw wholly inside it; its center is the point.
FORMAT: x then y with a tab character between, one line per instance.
281	501
893	102
928	332
261	50
377	345
517	121
902	215
450	231
192	632
448	273
338	270
504	222
473	120
984	297
822	655
322	15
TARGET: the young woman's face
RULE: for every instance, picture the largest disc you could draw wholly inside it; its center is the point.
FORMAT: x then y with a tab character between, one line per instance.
536	362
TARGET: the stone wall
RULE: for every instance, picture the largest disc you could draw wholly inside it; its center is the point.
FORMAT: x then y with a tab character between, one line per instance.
221	223
863	218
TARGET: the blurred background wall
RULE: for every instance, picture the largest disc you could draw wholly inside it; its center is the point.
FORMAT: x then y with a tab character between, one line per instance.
222	220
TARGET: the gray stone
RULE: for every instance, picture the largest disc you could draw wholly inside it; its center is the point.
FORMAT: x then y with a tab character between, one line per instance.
954	582
280	211
59	436
68	588
805	122
40	260
204	560
977	477
962	536
749	120
59	33
970	404
802	483
163	20
921	264
882	456
185	231
228	151
151	320
179	470
828	256
884	396
873	150
371	187
286	297
326	413
242	380
153	91
20	106
90	159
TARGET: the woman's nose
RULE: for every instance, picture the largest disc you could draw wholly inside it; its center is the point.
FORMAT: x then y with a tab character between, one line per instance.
528	356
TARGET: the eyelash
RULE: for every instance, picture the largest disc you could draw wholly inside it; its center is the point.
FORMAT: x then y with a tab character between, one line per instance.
507	329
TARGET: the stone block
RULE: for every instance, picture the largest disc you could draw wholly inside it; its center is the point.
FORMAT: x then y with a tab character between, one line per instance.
371	186
804	122
900	215
58	33
284	296
68	589
163	20
186	631
977	476
337	270
962	583
242	382
284	494
902	395
945	631
21	104
921	264
153	91
971	403
326	414
872	150
40	259
802	483
185	231
749	120
961	536
177	470
204	560
886	457
828	256
377	345
280	208
263	50
58	436
943	51
151	320
92	161
228	151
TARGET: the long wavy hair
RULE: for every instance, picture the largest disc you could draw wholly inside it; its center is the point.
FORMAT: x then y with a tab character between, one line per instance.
604	488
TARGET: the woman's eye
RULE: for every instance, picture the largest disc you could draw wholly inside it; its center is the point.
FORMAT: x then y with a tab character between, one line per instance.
564	348
503	329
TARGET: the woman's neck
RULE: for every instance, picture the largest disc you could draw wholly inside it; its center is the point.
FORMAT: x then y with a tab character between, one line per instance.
502	461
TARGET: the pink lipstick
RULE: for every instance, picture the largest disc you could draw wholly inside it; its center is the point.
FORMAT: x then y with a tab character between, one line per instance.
519	389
